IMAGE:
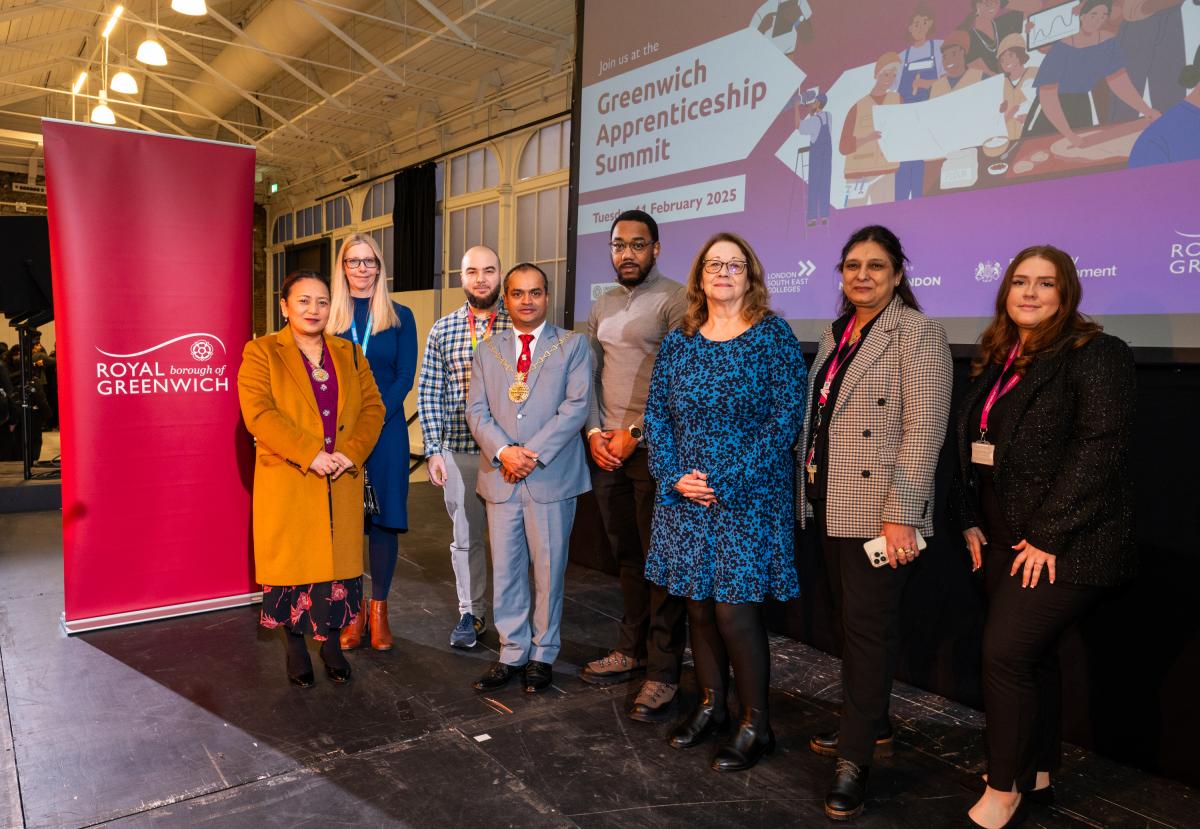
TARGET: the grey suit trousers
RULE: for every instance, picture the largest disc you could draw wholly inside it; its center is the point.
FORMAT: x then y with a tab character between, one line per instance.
524	531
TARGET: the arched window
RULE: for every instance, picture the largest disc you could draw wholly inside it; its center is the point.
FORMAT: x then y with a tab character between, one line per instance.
380	200
547	151
337	212
282	232
473	214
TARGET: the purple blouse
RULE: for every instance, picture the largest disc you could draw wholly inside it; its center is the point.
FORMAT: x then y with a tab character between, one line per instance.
327	395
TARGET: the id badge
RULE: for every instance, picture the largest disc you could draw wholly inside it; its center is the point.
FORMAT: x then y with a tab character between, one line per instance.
920	65
981	453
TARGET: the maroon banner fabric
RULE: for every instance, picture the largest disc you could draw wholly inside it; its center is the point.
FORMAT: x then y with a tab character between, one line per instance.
150	240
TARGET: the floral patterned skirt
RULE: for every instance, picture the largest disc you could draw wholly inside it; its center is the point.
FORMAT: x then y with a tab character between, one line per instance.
314	609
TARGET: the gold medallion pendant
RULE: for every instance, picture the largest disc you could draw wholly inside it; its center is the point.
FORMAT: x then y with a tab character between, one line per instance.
319	374
518	392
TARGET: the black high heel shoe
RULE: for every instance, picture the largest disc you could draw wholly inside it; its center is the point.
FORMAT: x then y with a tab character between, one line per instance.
1017	818
707	718
336	666
299	665
752	740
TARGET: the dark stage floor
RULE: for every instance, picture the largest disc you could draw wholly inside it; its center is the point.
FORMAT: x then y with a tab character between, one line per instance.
189	722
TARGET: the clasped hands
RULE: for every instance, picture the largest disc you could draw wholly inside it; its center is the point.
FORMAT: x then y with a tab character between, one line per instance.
516	462
1029	558
332	464
694	486
611	448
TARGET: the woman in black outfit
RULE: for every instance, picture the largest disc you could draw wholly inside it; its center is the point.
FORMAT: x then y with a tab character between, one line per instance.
1043	491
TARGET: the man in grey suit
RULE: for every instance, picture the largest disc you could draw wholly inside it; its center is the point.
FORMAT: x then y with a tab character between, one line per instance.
527	405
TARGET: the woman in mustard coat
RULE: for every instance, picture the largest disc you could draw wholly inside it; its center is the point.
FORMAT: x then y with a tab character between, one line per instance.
312	405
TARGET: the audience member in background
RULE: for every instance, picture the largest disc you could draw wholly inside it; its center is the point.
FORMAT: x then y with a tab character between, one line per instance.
450	450
311	404
879	400
361	311
726	404
626	326
1043	490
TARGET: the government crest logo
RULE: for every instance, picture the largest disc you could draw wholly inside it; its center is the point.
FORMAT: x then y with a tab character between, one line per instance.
202	351
988	271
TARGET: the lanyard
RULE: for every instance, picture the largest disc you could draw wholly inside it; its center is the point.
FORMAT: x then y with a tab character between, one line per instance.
1000	389
487	332
836	364
366	336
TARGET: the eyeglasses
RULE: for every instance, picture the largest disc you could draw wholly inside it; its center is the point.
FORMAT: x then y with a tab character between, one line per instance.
371	264
736	267
638	245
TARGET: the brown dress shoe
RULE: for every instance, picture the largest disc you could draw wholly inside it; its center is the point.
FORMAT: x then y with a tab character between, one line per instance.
352	634
381	634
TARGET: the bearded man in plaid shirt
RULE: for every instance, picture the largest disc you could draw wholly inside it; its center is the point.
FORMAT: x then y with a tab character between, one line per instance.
451	453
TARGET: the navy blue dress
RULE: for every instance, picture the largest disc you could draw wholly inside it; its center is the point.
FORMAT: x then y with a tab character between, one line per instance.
733	410
392	354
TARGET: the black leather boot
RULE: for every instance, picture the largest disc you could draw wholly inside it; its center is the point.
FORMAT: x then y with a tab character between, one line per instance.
708	717
752	740
826	743
848	791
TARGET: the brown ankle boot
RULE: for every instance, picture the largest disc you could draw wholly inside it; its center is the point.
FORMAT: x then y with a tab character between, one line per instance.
381	634
352	634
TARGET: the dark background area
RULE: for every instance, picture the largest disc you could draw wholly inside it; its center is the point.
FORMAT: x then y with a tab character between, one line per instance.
1130	668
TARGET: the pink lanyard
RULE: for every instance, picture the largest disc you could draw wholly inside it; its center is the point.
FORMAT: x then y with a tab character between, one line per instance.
836	364
999	390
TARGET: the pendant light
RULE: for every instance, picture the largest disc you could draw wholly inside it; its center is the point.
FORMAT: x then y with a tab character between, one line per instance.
101	114
151	52
123	81
195	8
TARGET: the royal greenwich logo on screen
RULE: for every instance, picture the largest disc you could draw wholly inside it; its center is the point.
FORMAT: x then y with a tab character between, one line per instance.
1185	254
187	364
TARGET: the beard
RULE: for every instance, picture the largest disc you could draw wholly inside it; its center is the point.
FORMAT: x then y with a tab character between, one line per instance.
639	277
485	302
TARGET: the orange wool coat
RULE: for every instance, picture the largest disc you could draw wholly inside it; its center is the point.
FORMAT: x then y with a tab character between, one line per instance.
296	538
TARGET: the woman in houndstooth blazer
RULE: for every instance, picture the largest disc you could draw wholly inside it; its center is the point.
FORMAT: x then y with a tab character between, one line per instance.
878	403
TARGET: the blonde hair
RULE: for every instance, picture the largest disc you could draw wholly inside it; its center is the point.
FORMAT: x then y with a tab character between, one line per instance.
341	309
756	304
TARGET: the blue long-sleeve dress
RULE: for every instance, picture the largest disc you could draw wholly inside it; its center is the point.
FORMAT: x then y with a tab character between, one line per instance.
392	354
733	410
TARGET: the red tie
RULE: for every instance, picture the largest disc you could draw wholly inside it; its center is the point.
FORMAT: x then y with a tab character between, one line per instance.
524	360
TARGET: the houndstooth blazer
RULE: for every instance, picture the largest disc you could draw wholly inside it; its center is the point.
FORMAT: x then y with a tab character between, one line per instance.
887	427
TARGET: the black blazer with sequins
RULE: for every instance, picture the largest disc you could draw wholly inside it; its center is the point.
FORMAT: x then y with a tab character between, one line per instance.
1062	470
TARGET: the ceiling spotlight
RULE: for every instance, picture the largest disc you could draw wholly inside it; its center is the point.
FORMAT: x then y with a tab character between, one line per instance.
195	8
101	114
112	21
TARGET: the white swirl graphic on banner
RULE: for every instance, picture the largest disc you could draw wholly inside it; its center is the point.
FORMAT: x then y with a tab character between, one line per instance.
1188	235
162	345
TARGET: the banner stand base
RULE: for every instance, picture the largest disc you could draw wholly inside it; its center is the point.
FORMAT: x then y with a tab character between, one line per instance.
152	614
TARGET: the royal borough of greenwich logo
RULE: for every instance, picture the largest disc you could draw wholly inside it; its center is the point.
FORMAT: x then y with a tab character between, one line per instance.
187	364
1185	254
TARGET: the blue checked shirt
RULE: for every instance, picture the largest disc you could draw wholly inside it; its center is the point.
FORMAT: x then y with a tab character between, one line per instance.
445	378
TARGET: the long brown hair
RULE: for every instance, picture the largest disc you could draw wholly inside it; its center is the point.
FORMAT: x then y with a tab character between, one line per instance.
1066	329
756	304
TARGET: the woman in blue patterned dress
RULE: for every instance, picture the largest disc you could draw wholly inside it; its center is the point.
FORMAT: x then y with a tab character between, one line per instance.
362	311
726	405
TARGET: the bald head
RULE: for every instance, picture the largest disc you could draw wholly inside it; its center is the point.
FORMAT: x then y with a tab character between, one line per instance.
481	277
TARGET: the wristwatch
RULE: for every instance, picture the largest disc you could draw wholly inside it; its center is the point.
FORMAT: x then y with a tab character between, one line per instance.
636	432
593	431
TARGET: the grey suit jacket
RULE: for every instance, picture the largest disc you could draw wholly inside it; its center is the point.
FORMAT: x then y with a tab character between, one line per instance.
887	427
548	422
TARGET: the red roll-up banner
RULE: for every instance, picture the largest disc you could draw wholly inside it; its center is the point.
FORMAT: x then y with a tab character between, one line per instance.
150	242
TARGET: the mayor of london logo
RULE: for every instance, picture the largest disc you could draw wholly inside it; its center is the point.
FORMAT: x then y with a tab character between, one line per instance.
988	271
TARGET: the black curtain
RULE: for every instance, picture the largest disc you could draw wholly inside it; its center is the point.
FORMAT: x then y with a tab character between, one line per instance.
416	201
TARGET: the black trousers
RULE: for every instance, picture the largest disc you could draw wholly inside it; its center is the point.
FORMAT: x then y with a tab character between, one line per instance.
867	600
1022	681
653	624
